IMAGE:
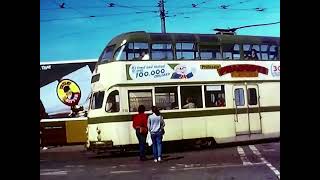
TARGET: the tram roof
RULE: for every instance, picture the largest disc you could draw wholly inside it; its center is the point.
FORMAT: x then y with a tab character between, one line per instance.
142	36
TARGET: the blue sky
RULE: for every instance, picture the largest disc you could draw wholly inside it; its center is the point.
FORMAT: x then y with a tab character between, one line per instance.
70	33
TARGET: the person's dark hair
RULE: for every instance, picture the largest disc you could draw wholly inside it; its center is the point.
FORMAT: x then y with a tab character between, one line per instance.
255	51
141	109
66	89
143	53
155	110
110	98
190	99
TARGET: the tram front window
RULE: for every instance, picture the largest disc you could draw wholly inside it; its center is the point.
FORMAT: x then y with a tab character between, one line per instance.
135	50
131	51
120	54
107	54
97	100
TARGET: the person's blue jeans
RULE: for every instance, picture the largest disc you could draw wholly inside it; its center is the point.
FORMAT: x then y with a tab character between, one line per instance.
156	144
142	142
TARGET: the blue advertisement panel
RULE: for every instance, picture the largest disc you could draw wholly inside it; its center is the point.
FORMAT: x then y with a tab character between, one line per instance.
65	85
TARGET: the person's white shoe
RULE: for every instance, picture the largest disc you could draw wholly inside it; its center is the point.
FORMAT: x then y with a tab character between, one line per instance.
159	158
44	148
155	160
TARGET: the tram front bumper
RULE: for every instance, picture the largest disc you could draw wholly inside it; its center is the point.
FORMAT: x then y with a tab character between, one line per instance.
100	145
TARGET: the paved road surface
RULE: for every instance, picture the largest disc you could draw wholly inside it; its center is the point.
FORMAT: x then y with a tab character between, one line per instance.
246	162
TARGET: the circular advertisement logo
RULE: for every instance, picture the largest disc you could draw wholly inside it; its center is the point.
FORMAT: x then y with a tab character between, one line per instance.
275	69
68	92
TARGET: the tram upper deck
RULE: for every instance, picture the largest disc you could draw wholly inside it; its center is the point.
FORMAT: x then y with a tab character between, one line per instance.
173	56
185	46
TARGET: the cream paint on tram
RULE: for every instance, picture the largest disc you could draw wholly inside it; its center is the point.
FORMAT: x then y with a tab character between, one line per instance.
221	127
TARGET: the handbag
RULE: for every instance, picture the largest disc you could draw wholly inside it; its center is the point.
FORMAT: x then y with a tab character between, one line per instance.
149	140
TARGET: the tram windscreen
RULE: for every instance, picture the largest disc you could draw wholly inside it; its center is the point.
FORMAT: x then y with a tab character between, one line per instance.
107	54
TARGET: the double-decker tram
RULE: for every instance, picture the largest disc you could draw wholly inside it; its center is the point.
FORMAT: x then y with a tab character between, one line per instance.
222	87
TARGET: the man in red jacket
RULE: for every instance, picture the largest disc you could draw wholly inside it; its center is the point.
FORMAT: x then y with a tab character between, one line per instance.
139	123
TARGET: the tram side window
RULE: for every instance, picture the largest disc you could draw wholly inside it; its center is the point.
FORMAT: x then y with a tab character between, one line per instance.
251	49
107	54
257	48
161	52
264	52
239	96
97	100
274	53
135	49
246	51
191	97
215	96
166	98
236	51
231	51
208	52
186	51
137	98
113	101
252	93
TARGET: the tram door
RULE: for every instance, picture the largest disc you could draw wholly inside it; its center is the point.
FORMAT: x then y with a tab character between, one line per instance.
247	109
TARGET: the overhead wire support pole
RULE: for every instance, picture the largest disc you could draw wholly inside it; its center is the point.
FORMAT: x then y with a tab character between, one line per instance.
162	16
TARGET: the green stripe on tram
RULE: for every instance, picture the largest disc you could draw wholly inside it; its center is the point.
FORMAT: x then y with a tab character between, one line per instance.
127	72
184	114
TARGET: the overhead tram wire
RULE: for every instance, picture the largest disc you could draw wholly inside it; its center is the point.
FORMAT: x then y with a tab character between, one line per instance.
187	13
103	6
114	5
200	9
203	2
93	16
141	11
97	7
128	7
241	27
199	5
205	9
99	28
63	5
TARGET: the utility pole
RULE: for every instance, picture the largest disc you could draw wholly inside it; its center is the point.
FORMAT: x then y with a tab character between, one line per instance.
162	16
